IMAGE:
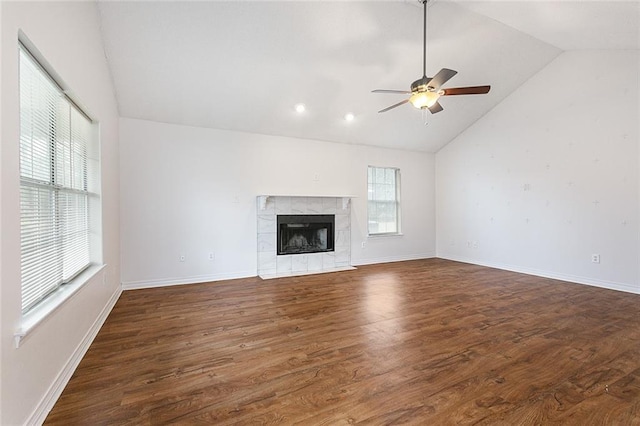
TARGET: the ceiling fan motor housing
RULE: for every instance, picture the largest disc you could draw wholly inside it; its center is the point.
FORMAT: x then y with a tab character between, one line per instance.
422	85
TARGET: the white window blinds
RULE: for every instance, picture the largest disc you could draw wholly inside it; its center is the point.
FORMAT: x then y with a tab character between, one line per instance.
54	177
383	204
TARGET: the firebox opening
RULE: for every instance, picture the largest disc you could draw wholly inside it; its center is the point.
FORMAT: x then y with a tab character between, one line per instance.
299	234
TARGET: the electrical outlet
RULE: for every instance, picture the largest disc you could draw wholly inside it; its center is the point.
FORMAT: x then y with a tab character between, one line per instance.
595	258
182	258
363	244
212	256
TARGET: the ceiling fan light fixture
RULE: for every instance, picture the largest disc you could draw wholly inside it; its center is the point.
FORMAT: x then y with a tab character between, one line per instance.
423	100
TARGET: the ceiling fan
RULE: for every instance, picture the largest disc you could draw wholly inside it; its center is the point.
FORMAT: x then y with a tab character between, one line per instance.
426	91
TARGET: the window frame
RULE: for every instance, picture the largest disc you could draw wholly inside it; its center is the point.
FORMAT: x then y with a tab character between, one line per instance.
371	218
84	190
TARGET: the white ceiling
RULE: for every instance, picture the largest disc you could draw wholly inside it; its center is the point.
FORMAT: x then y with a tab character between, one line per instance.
569	24
244	65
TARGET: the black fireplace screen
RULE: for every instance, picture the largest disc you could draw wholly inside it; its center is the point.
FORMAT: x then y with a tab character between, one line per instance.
308	233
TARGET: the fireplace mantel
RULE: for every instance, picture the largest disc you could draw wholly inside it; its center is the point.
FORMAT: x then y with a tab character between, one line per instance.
262	199
274	265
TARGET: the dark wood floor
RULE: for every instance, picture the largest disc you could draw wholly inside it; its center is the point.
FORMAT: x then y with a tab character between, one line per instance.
422	342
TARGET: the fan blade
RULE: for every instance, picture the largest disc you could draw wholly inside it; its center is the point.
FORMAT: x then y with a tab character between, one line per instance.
435	108
404	92
394	105
475	90
442	77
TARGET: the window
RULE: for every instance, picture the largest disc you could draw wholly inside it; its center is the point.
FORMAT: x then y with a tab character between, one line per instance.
383	200
58	170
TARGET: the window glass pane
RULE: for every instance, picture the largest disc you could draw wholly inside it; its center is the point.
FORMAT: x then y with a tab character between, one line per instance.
40	258
38	100
74	227
390	177
80	139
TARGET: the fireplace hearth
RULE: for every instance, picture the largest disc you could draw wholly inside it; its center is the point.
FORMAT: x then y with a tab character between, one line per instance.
305	233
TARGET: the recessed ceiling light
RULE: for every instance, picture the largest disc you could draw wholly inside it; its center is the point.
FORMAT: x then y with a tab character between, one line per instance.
300	108
349	116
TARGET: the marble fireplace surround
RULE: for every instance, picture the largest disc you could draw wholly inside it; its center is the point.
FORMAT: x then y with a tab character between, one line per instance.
271	265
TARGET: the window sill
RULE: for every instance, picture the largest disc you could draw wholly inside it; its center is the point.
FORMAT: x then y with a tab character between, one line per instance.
391	234
37	315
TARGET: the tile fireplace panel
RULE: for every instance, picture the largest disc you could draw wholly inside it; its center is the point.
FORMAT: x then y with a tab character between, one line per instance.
272	265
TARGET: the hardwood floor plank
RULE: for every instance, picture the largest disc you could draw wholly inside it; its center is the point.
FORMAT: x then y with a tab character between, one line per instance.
420	342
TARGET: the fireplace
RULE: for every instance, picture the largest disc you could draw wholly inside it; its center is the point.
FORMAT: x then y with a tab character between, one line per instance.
305	233
335	211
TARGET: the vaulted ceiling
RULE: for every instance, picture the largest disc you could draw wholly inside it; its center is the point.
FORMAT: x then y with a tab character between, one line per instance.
244	65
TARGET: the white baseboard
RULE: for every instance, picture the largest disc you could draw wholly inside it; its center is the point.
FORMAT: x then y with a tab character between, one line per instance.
388	259
164	282
55	390
546	274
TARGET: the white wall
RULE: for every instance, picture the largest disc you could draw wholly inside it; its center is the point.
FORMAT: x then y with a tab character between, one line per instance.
550	176
188	190
67	34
